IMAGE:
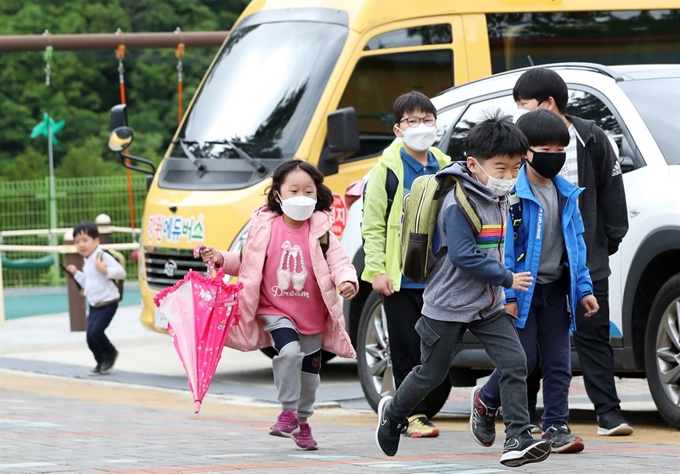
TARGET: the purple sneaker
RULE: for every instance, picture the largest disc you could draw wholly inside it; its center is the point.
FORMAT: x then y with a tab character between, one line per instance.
286	424
304	438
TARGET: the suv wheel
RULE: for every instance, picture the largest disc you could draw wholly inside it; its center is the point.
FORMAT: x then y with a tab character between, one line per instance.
662	351
374	361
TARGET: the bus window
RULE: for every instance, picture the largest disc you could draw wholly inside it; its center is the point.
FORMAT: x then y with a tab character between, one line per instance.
607	37
414	36
378	80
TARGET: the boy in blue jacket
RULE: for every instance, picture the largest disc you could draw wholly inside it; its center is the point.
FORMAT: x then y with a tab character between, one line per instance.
546	238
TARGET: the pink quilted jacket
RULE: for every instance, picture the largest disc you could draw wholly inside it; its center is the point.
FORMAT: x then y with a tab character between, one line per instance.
336	268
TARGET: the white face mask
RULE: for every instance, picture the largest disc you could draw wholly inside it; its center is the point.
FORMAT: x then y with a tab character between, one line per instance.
298	208
498	186
419	138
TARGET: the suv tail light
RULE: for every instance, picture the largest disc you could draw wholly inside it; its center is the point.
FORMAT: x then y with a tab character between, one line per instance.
354	192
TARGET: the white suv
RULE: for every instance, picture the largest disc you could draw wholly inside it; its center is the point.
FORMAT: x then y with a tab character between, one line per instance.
639	108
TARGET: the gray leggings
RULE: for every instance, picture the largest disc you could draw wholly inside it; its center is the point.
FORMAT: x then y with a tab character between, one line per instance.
296	367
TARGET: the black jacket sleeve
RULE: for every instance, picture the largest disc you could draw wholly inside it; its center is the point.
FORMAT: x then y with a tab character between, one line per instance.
611	194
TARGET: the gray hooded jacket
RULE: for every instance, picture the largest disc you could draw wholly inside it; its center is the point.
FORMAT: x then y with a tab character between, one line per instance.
466	284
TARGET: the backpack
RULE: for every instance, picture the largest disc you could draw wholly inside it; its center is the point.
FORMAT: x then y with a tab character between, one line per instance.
391	183
121	260
421	208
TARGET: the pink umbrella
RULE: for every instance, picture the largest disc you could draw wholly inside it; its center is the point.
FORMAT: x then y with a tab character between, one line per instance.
200	310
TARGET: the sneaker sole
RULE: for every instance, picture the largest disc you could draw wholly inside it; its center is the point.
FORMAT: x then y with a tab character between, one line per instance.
575	446
381	406
432	434
283	434
472	411
536	453
308	448
624	429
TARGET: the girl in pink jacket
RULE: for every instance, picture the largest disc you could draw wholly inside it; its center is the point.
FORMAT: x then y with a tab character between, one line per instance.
290	290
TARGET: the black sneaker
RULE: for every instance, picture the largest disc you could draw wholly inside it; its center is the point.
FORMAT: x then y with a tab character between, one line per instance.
388	432
613	423
562	441
523	449
97	369
482	420
107	364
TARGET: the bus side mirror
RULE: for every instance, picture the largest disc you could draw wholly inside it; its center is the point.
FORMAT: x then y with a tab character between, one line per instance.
120	139
118	116
343	133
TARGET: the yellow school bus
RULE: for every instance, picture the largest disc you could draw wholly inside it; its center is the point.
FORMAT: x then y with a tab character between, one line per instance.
316	80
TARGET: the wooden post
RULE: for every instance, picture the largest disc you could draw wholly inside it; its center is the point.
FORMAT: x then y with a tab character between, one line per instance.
76	301
103	222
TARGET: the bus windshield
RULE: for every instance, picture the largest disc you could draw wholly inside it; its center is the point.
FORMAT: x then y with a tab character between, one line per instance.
263	90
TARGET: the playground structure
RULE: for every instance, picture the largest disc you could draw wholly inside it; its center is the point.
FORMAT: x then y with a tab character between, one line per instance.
76	300
119	42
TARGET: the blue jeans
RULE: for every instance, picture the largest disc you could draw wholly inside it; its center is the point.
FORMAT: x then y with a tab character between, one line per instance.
546	332
97	321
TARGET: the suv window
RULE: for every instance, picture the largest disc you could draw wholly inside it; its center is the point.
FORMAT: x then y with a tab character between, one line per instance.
607	37
379	79
658	102
474	114
581	104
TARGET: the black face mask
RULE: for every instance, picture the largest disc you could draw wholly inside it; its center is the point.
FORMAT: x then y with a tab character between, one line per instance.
547	164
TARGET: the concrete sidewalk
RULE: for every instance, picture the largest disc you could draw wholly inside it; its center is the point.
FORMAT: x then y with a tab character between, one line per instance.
44	344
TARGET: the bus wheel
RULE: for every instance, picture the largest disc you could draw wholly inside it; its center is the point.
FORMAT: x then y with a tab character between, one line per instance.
662	351
375	364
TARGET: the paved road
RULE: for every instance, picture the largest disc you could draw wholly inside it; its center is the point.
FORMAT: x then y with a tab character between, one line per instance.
52	424
54	418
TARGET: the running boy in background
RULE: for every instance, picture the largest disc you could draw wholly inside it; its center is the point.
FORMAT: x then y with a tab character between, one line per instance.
100	269
464	291
415	122
547	240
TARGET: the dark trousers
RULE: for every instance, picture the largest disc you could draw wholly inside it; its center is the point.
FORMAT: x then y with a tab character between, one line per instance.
402	310
498	335
595	355
546	332
97	321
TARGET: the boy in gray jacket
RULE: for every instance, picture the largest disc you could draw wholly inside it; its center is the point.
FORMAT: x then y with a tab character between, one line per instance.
464	291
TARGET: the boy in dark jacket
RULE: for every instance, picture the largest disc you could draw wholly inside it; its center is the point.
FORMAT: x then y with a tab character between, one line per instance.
464	291
591	163
546	239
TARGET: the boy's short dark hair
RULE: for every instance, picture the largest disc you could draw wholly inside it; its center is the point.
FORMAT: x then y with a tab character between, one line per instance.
543	127
541	83
87	228
411	101
495	136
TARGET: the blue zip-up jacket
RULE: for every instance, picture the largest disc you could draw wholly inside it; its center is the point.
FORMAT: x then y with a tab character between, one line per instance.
523	252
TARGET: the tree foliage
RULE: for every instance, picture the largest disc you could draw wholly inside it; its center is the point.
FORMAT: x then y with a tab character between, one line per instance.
84	84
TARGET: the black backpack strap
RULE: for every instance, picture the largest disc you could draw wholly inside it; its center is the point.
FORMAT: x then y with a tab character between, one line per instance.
323	241
391	183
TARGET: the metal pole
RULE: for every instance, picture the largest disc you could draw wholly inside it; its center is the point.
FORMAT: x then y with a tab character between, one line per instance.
202	39
2	296
53	195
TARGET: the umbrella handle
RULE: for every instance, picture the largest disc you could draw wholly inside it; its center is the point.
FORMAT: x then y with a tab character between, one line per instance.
210	266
